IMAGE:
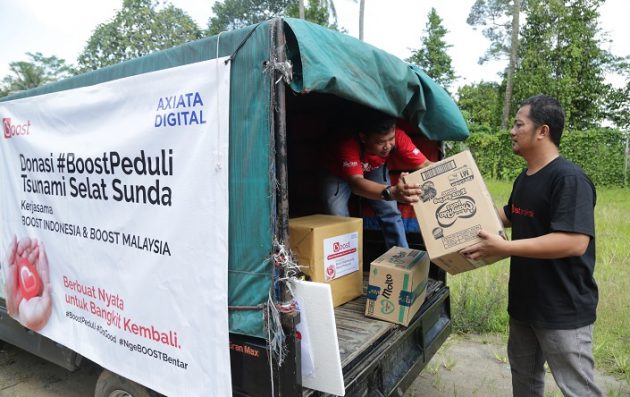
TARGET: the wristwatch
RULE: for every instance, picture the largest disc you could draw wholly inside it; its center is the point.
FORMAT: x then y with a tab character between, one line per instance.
386	194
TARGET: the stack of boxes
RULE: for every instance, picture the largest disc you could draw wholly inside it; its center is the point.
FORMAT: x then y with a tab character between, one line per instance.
455	205
329	250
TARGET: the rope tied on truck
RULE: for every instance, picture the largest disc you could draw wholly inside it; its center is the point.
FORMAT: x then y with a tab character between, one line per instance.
242	43
284	69
285	270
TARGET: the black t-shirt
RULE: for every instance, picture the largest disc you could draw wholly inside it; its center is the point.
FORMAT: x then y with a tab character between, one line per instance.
553	293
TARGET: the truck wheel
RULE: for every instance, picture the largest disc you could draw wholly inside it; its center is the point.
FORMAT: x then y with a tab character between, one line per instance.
110	384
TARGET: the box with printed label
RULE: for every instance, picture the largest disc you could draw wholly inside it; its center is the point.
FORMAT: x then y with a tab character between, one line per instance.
454	206
329	249
398	285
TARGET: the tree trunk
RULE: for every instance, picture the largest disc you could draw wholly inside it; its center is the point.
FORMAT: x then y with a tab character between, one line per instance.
361	18
507	100
301	2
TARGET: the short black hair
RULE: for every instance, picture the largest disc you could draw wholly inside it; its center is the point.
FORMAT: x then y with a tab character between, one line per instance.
376	123
547	110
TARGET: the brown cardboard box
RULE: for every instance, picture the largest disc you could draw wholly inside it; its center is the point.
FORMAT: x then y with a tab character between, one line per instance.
398	285
330	250
455	205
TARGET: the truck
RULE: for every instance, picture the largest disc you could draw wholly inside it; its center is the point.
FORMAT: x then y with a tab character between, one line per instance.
289	82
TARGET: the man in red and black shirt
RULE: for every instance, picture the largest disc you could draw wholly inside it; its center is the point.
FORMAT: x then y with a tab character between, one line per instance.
357	164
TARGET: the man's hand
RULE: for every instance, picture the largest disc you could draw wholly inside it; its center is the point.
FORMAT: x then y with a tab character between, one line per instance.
490	245
405	192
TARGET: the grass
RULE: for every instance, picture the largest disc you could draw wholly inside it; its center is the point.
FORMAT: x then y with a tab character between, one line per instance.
612	273
479	298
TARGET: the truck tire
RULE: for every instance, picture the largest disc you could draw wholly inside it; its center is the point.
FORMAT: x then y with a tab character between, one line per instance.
110	384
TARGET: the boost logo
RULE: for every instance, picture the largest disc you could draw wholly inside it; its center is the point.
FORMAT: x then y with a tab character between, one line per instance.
337	246
11	130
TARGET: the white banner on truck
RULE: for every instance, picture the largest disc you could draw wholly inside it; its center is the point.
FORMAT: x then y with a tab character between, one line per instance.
114	214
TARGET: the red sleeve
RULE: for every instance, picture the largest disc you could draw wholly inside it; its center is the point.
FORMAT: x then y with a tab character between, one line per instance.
406	151
349	158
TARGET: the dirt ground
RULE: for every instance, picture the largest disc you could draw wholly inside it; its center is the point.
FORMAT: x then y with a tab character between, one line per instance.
478	366
464	366
25	375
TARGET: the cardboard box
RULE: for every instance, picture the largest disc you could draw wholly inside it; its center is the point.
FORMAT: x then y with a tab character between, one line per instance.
329	249
455	205
398	285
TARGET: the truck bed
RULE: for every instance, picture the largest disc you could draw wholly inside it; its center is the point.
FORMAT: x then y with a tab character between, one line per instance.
382	358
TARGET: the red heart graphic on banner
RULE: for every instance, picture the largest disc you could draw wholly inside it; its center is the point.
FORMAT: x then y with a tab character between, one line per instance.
30	283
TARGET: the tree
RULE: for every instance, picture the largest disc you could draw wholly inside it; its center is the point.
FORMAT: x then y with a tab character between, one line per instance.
317	12
38	71
236	14
139	28
505	115
481	105
432	56
501	23
496	19
560	55
617	103
301	5
332	11
361	18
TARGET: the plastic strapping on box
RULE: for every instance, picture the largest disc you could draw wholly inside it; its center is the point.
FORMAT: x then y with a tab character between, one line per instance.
373	291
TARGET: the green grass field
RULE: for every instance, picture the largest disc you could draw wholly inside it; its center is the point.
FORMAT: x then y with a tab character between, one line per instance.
479	298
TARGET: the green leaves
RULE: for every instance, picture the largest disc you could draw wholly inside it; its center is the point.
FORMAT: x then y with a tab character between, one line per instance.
39	71
600	152
432	57
494	16
316	11
560	55
235	14
139	28
481	105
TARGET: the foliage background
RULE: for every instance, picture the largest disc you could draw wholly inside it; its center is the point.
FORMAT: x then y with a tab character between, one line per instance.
601	152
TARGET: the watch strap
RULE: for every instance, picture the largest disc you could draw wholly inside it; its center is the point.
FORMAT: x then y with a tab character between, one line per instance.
386	194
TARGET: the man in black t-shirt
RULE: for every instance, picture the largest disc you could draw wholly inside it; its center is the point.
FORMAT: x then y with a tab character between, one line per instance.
552	293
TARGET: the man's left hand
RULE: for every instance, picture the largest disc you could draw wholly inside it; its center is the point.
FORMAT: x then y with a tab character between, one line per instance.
406	192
